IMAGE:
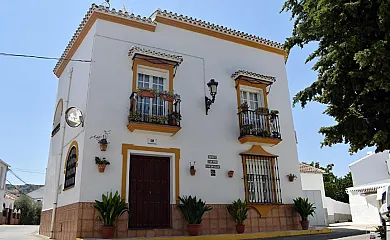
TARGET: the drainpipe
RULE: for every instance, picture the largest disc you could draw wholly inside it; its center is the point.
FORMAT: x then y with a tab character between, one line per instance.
53	216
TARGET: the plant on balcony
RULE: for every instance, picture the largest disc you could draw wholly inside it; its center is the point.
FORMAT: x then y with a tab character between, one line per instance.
110	208
193	211
169	96
134	117
244	107
102	163
261	111
239	212
261	133
275	134
273	112
305	209
174	118
247	128
147	92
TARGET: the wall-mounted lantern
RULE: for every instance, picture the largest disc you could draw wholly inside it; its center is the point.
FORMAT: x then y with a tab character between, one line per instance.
213	85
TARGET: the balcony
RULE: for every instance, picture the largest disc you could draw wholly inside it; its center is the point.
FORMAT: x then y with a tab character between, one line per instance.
154	113
259	127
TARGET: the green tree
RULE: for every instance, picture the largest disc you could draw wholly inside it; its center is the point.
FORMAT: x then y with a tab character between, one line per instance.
335	186
30	210
352	60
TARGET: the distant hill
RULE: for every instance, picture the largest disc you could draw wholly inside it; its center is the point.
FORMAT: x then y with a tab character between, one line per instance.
26	188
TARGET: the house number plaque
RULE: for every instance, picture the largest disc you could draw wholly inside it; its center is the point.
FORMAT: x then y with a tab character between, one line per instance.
213	166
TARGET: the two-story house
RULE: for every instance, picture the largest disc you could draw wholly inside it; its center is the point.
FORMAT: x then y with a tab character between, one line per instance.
120	71
370	176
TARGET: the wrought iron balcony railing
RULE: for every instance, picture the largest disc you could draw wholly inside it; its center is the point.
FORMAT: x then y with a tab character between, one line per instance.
154	110
263	124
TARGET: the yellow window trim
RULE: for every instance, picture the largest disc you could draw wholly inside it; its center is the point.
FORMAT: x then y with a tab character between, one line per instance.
62	108
176	151
73	144
132	126
261	140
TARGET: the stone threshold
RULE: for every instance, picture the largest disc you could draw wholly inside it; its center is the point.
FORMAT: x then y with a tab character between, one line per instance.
235	236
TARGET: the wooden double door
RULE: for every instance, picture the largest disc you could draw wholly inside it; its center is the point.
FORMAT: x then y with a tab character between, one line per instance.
149	192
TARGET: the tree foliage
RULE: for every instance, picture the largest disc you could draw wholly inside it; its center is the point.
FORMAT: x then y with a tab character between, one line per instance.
352	61
30	210
335	186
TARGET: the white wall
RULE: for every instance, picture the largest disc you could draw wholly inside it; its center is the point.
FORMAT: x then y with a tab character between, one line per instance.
3	177
217	133
77	98
369	169
315	197
364	209
313	181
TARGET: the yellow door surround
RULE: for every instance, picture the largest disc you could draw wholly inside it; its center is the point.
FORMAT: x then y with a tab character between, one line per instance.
127	147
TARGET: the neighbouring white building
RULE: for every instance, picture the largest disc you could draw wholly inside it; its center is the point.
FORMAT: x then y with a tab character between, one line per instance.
370	175
328	210
3	178
37	195
153	140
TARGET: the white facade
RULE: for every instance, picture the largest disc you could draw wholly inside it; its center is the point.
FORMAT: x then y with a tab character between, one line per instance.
101	90
3	177
313	181
369	175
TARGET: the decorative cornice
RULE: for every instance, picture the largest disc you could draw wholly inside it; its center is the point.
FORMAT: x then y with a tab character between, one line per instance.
243	73
217	28
142	51
104	10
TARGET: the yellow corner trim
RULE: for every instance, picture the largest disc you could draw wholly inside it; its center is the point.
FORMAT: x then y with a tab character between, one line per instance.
242	236
261	140
153	127
262	209
176	151
219	35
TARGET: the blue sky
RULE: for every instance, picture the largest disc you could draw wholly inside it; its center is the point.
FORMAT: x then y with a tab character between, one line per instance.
41	27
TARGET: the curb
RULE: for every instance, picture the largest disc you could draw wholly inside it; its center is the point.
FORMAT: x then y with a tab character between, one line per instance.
237	236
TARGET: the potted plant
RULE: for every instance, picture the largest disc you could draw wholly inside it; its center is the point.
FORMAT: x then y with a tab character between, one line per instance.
134	117
193	211
102	140
192	169
261	111
246	128
169	96
174	118
291	177
110	208
244	107
273	113
239	212
305	209
147	92
102	163
231	173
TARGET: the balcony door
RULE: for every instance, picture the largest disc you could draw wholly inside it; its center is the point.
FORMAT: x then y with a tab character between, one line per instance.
152	79
257	123
255	99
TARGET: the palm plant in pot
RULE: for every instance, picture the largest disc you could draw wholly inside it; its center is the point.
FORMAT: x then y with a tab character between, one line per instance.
110	208
305	209
239	212
193	211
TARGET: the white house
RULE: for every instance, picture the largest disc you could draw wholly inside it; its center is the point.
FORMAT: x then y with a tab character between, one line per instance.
3	177
149	143
37	195
328	210
370	175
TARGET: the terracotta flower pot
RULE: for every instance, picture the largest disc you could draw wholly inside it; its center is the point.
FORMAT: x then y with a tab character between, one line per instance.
101	167
167	98
193	229
305	225
240	228
192	171
231	173
108	232
103	147
291	178
146	94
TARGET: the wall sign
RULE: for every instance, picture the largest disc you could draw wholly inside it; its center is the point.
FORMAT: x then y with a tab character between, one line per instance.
212	173
212	161
212	157
213	166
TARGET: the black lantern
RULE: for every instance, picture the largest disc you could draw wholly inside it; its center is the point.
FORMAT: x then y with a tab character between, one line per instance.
213	85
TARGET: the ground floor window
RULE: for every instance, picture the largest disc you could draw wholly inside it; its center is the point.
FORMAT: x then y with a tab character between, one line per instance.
261	176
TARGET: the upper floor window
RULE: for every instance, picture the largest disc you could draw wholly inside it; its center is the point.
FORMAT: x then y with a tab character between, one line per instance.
70	166
57	117
254	99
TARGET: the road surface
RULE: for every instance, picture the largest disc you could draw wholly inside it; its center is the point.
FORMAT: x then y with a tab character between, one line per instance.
19	232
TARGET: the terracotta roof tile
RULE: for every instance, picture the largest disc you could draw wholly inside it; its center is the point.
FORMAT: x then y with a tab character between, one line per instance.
306	168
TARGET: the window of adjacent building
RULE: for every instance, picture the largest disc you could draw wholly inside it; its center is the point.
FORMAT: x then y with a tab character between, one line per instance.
152	79
70	168
57	117
261	179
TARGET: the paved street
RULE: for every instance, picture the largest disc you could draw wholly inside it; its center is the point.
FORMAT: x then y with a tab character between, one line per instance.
18	232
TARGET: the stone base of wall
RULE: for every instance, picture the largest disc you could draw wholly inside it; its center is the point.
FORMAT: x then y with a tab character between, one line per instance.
79	220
